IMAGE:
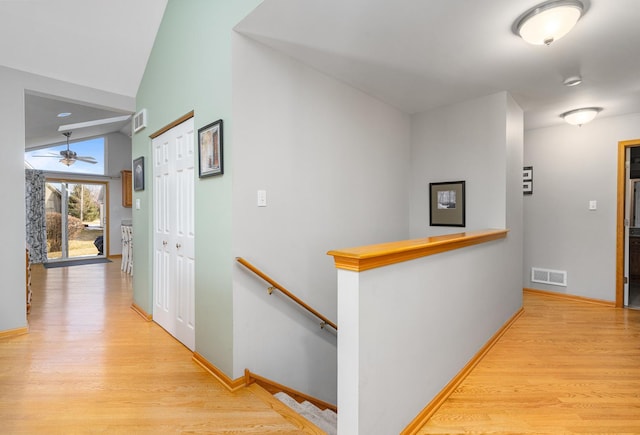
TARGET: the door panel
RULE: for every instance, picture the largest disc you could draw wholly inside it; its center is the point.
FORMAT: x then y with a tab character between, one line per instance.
173	165
185	235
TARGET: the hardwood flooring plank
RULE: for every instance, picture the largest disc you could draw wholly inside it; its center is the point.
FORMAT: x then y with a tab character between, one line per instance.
90	364
563	367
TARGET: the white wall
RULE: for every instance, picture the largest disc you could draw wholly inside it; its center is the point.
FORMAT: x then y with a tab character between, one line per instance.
12	219
335	165
571	166
463	141
119	158
413	327
418	323
12	88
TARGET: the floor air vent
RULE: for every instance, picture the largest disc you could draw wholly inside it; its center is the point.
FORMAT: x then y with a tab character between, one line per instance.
549	276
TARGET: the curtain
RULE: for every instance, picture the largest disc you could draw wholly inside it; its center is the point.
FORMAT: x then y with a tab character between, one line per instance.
36	229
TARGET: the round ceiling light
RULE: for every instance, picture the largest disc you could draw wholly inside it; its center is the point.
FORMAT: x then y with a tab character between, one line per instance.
63	114
548	21
572	81
581	116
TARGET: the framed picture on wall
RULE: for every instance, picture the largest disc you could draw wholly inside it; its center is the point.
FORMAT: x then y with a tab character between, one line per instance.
210	159
527	180
447	204
138	174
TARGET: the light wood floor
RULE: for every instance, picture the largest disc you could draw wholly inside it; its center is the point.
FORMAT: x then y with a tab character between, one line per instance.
563	368
92	365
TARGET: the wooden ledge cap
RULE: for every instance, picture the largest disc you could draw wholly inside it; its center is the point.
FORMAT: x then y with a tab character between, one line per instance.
384	254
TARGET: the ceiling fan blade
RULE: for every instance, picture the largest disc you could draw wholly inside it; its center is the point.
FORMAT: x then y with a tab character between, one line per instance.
93	123
86	159
50	155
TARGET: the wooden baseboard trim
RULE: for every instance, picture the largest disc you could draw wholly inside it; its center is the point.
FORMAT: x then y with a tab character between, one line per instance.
420	420
14	332
273	387
146	316
114	256
574	298
230	384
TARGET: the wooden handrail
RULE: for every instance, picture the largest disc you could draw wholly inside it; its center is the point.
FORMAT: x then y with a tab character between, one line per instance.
364	258
274	284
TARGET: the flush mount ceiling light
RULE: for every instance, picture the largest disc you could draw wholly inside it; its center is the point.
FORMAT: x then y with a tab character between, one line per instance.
581	116
572	81
549	21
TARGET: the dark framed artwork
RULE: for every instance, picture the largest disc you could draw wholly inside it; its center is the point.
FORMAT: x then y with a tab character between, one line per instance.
210	159
527	180
447	204
138	174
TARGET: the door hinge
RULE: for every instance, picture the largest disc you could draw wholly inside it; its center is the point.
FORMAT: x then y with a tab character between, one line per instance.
626	222
626	280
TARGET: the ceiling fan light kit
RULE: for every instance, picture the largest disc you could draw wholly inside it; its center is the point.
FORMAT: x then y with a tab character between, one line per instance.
68	157
548	21
67	161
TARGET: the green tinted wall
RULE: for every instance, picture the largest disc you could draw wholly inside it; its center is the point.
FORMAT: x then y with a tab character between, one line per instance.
190	69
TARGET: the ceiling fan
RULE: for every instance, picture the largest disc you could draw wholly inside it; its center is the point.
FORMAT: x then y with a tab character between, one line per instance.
68	157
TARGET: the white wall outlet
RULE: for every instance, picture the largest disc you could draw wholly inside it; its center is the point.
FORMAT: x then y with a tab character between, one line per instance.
593	204
262	198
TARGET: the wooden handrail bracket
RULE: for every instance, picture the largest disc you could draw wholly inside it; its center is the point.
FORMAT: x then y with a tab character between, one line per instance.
274	285
370	257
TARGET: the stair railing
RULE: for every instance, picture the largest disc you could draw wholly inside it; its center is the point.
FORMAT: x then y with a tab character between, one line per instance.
274	285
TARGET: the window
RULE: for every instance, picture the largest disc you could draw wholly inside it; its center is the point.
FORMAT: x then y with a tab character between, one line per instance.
48	158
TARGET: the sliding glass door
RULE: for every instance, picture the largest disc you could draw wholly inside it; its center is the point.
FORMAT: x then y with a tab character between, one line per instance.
75	219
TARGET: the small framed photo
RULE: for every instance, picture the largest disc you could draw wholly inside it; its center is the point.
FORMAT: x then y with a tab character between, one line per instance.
210	159
527	180
447	204
138	174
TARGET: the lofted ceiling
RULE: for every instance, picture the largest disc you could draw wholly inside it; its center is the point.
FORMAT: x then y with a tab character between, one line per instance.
42	122
94	43
420	54
413	54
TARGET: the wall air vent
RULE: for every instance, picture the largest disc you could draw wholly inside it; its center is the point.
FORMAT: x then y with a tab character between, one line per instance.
549	276
140	120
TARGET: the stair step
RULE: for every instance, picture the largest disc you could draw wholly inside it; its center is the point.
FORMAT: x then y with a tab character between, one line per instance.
327	420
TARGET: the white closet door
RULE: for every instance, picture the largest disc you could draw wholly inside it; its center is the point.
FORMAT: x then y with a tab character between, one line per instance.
184	235
173	232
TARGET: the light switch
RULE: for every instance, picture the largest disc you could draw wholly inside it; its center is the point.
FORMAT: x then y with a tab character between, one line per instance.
137	203
262	198
593	204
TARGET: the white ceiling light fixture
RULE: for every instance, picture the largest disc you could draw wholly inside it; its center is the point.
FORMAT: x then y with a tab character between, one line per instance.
549	21
581	116
572	81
